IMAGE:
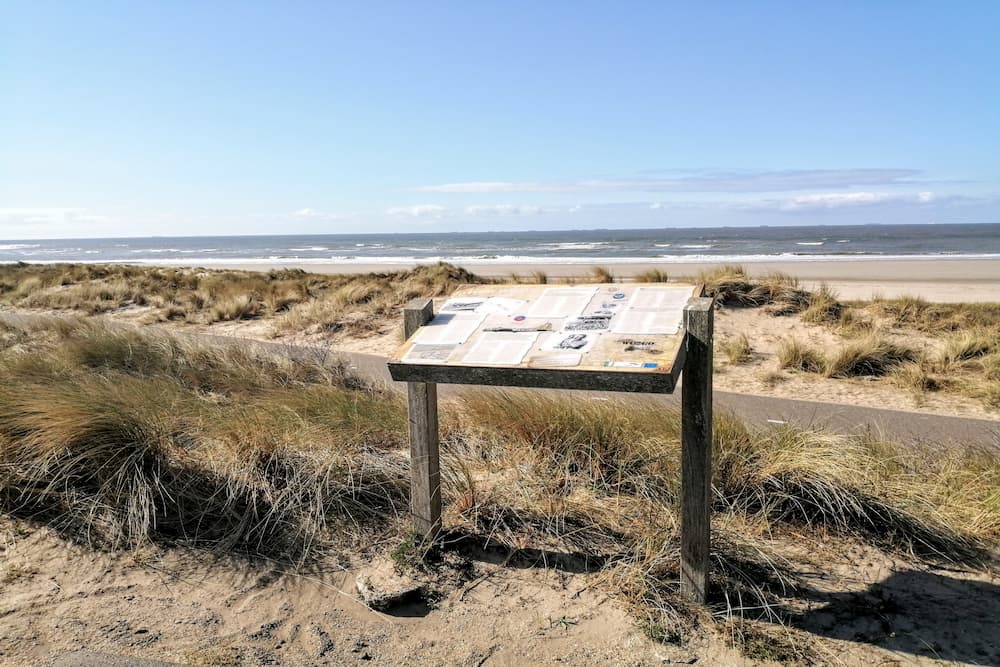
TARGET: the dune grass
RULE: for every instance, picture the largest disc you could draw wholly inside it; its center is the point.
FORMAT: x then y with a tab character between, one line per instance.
922	315
737	349
822	306
601	274
969	345
873	356
119	437
533	278
295	301
732	285
651	276
795	355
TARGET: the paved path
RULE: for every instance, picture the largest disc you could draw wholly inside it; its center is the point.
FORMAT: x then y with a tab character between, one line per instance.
910	427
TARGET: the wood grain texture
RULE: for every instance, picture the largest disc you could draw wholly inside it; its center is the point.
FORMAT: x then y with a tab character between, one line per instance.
416	313
547	378
696	448
425	466
425	463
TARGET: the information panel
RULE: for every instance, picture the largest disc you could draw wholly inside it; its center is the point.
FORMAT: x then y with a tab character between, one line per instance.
610	336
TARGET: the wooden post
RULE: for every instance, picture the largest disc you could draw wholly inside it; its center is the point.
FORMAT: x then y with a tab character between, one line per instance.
696	448
425	464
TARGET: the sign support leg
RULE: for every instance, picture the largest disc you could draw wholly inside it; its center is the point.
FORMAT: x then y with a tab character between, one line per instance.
425	464
696	448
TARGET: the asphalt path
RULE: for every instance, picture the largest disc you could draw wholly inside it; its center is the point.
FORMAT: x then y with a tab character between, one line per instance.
910	427
932	430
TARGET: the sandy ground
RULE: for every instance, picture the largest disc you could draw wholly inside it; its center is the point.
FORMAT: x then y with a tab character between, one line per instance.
943	280
195	608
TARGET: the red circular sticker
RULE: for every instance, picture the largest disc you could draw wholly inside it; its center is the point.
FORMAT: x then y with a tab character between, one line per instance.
520	318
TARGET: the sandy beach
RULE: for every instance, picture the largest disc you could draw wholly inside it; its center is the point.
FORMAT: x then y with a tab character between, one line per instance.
941	280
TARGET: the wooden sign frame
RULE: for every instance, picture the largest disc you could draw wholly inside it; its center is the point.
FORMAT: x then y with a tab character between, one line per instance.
693	360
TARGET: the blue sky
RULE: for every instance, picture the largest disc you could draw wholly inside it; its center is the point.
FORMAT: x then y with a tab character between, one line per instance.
144	118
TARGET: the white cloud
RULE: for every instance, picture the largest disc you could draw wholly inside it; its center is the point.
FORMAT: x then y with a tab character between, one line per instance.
505	209
30	216
714	181
418	211
437	212
307	213
848	199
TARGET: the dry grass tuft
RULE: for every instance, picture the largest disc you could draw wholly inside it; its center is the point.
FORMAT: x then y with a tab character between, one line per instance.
240	307
601	274
362	305
796	355
737	349
652	276
915	312
731	285
969	345
917	378
823	306
872	356
119	438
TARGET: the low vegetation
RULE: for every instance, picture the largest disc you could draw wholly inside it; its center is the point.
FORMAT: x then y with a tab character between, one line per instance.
533	278
293	300
798	356
652	276
960	348
119	437
823	306
948	347
737	349
921	315
731	285
873	356
600	274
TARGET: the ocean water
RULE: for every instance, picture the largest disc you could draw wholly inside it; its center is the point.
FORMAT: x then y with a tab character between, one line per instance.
743	244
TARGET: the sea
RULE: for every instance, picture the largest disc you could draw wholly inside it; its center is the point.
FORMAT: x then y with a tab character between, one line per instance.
671	245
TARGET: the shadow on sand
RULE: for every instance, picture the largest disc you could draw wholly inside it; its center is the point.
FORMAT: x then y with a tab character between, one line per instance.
915	612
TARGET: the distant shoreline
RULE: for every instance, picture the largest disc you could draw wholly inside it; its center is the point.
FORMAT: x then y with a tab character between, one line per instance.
952	278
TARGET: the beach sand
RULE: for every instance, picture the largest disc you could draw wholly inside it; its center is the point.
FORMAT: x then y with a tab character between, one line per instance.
945	280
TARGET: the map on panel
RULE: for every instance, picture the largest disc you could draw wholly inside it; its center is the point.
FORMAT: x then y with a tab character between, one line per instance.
629	327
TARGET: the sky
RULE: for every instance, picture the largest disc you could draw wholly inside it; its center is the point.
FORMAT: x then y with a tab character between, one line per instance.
189	118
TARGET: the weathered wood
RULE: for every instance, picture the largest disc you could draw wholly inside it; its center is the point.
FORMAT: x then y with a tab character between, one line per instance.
696	448
425	471
547	378
425	465
416	313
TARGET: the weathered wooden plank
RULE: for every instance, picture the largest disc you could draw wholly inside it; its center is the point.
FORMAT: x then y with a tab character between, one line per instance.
548	378
416	313
425	465
696	448
425	470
